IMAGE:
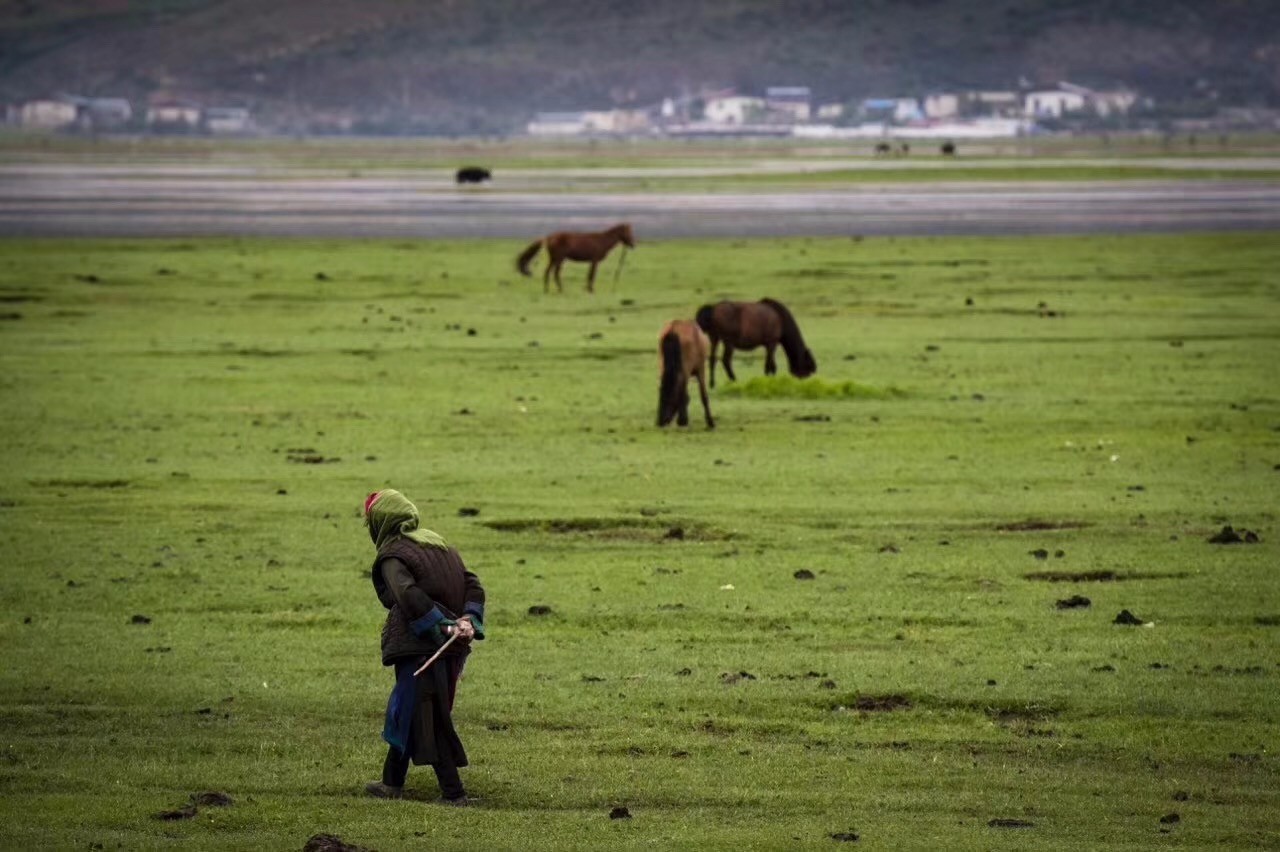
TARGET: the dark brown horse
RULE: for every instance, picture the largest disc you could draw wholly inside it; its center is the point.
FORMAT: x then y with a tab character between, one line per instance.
746	325
569	245
682	352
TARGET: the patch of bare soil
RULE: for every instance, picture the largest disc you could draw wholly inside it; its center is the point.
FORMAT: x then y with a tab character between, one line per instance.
638	529
1099	576
881	703
1038	525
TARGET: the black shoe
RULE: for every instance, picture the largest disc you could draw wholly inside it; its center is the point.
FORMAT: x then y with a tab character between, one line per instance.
383	791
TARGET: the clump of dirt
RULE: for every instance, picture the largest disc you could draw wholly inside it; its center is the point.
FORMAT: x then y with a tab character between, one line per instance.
468	512
184	812
889	548
735	677
620	812
803	574
1073	602
845	836
881	703
331	843
312	458
1039	553
1010	823
1227	535
140	619
1126	617
638	529
213	799
1037	525
539	609
1073	576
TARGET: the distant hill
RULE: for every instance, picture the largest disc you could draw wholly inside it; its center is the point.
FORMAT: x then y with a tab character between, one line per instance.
486	65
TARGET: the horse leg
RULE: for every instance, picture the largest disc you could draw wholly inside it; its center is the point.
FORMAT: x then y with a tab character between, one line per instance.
770	365
715	341
706	405
682	419
727	360
591	276
559	283
546	277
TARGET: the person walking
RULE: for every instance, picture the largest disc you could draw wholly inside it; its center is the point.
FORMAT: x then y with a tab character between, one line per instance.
432	600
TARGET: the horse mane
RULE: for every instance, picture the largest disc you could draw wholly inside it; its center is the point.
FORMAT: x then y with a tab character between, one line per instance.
799	358
672	374
703	317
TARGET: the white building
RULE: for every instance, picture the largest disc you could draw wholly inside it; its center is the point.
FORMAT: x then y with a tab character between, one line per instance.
830	112
941	106
558	124
734	109
227	120
790	101
47	113
1052	103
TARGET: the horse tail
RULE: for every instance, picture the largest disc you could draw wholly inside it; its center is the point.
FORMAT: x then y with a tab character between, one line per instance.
672	376
522	262
799	358
703	317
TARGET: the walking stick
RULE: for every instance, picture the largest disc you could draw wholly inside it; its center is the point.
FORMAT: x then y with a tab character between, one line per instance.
436	655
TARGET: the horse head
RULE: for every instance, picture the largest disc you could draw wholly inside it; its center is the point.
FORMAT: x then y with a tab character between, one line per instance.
623	232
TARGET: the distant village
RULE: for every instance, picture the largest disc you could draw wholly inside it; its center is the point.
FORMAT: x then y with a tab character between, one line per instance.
780	111
792	111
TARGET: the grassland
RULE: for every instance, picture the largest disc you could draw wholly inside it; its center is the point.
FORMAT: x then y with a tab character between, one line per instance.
189	427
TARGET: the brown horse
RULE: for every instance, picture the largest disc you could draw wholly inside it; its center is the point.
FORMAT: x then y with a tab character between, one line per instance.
682	352
569	245
746	325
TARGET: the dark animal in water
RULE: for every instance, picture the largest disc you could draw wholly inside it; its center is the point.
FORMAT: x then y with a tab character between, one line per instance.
682	352
472	174
568	245
746	325
948	149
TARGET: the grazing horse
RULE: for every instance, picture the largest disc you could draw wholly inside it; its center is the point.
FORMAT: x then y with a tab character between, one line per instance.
568	245
472	174
682	352
746	325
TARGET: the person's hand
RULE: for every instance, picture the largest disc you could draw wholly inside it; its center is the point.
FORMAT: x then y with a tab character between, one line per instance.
465	629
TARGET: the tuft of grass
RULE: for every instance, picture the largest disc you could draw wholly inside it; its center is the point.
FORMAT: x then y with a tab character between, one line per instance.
789	387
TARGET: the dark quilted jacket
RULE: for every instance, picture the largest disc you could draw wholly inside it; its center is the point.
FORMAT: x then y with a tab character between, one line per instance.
442	586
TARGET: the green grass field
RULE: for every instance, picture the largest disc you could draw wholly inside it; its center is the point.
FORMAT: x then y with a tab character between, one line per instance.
189	428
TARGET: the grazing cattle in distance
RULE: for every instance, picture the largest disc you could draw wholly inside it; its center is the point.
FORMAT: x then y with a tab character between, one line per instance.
746	325
948	149
472	174
570	245
682	353
882	149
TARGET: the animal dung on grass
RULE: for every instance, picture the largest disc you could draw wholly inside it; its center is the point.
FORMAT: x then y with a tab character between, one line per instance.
1010	823
1073	602
844	836
140	619
803	574
1228	535
620	812
1128	618
539	609
331	843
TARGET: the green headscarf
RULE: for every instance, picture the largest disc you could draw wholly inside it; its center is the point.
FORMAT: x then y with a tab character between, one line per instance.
389	516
